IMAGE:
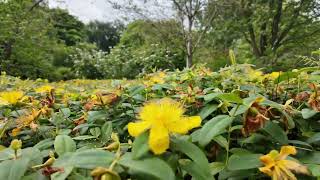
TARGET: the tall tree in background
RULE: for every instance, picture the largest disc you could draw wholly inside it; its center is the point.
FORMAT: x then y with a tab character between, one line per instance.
104	34
274	26
186	12
68	28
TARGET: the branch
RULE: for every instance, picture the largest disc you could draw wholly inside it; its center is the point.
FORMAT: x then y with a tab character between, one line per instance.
289	27
36	4
205	30
276	22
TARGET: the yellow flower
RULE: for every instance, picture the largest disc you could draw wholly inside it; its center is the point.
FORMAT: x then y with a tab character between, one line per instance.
11	97
44	89
162	117
157	78
278	167
273	75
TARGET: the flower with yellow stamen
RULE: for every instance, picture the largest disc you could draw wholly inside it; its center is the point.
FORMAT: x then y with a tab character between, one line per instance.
279	167
10	97
273	75
157	78
44	89
162	117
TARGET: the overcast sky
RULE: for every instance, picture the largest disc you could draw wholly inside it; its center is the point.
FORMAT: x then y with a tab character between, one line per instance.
88	10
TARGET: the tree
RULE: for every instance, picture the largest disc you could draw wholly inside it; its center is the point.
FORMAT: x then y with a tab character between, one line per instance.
187	13
274	26
104	34
24	42
68	28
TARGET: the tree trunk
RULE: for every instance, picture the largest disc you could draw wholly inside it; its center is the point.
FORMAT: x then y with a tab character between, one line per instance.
189	43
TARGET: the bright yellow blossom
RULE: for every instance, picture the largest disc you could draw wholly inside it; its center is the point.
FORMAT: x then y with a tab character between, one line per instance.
44	89
162	117
158	78
10	97
273	75
278	167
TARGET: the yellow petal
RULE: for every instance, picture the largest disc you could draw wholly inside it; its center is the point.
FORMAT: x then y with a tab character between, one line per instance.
269	158
277	174
158	139
135	129
294	166
266	170
285	151
183	125
286	173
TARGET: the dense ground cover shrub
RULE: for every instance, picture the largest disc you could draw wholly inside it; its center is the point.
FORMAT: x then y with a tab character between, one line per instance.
237	123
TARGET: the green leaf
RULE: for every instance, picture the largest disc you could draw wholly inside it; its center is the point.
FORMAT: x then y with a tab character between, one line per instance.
96	115
152	166
140	146
254	138
240	174
95	131
314	169
84	137
301	143
193	169
221	141
244	161
230	97
276	132
311	158
210	97
6	154
308	113
62	175
63	144
207	110
216	167
286	76
44	144
66	112
194	153
87	159
13	169
315	138
213	128
106	131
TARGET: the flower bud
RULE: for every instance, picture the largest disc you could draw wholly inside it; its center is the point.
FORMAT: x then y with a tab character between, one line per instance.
113	146
16	144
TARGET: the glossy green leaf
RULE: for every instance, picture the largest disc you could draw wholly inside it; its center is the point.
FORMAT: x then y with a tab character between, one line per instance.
63	144
106	131
193	169
207	110
230	97
311	158
308	113
87	159
140	146
13	169
194	153
276	132
315	138
152	166
244	161
213	128
216	167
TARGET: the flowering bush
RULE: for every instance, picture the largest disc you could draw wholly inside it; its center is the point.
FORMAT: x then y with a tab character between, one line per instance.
237	123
